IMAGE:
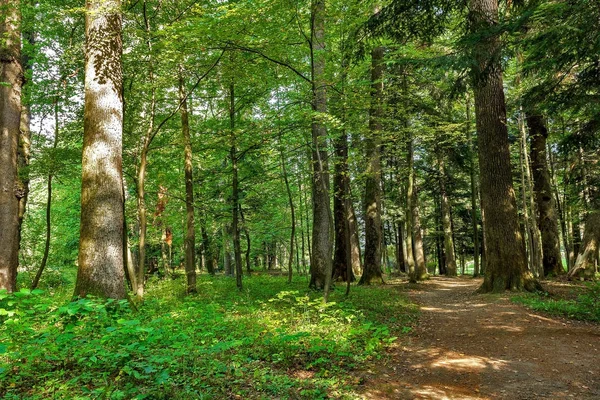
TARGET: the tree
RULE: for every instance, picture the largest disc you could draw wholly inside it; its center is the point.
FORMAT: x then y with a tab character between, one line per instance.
506	266
373	225
190	233
10	116
101	247
547	218
322	243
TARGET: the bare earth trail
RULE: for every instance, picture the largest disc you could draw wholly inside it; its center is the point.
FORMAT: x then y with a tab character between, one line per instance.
471	346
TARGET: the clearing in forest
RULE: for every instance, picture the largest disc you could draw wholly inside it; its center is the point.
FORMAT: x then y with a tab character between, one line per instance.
471	346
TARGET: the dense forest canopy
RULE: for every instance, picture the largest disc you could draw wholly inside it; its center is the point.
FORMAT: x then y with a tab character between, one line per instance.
343	141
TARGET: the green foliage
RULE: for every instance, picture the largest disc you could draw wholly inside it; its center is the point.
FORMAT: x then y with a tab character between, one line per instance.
585	308
260	343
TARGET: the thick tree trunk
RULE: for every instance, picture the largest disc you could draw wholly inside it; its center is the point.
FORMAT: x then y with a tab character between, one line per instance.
10	114
342	254
355	254
373	227
506	266
190	234
322	243
547	214
588	253
101	269
446	222
25	136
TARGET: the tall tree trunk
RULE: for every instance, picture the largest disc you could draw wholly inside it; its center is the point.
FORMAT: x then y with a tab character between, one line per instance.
585	263
446	221
342	257
547	213
190	234
560	208
506	266
292	212
533	244
101	246
322	247
206	245
10	114
373	227
412	200
474	192
355	254
25	134
235	191
38	275
141	176
400	252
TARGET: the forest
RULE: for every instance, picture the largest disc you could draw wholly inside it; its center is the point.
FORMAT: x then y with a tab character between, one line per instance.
277	199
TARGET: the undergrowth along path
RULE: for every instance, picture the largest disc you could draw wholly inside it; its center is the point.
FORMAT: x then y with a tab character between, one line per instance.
472	346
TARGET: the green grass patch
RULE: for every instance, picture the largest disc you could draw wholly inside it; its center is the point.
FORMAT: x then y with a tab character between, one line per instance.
263	342
585	308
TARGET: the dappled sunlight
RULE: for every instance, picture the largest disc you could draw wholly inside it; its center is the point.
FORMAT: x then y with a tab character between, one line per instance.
506	328
468	364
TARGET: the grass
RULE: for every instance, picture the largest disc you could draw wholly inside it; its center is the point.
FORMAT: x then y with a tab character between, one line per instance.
586	307
272	340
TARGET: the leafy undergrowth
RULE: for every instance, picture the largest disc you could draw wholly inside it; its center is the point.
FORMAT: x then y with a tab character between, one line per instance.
586	307
263	342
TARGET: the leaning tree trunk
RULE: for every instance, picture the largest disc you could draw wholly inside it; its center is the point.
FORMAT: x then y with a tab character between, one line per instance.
101	269
373	227
322	248
40	271
10	114
506	265
446	221
547	213
588	252
190	234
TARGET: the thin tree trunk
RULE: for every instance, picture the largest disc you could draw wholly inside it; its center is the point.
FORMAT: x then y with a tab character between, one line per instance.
235	191
533	245
206	245
322	244
506	265
248	241
355	254
101	246
141	178
38	275
474	191
373	227
446	221
547	213
293	214
420	270
190	235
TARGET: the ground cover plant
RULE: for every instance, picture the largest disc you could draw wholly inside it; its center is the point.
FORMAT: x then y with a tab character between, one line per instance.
264	342
584	306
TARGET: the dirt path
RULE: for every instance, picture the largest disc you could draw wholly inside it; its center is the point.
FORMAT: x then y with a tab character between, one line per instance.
470	346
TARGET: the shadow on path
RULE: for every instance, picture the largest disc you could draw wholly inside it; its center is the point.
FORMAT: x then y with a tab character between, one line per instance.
471	346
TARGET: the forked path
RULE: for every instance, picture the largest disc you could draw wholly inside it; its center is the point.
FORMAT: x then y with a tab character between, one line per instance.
470	346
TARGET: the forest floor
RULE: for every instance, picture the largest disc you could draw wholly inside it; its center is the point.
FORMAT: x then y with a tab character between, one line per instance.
472	346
